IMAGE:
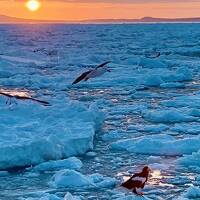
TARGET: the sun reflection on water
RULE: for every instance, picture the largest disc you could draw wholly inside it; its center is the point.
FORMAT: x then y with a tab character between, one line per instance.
157	178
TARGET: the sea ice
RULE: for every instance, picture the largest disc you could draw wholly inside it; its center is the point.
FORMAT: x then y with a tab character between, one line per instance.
193	192
69	196
193	129
172	85
69	163
74	179
154	80
45	196
133	197
192	160
32	134
21	60
191	101
159	145
167	116
151	63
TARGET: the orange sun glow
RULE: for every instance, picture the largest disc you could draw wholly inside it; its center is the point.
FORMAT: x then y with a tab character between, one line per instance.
33	5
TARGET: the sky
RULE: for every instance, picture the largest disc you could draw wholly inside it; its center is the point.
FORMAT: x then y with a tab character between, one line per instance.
101	9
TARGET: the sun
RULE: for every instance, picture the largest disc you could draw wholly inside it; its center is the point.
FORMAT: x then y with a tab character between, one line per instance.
33	5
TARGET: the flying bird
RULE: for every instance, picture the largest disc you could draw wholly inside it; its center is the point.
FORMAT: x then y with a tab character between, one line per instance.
44	103
97	71
137	181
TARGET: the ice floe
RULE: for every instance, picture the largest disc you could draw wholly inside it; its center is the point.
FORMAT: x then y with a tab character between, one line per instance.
168	116
69	163
192	160
69	196
191	193
74	179
32	134
45	196
159	145
133	197
191	101
193	129
150	63
21	60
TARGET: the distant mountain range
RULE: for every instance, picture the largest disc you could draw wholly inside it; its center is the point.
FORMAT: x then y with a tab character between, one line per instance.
6	19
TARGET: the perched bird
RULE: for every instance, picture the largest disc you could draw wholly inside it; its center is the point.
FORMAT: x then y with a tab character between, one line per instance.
97	71
137	181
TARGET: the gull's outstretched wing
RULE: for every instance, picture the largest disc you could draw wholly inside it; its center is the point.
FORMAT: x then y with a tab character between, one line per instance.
103	64
81	77
44	103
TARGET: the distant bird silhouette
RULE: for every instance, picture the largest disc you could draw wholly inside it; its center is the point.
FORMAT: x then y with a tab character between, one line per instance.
97	71
137	181
155	55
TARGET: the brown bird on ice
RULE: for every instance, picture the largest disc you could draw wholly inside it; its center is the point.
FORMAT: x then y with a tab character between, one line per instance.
137	181
97	71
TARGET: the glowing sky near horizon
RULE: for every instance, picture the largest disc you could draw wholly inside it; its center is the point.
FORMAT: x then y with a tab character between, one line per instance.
101	9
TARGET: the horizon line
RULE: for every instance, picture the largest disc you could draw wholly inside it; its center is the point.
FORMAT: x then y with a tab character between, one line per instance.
5	19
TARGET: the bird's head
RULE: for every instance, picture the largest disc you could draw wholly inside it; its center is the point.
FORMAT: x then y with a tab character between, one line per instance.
146	170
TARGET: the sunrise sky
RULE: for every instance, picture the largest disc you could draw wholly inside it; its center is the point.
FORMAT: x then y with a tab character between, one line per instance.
101	9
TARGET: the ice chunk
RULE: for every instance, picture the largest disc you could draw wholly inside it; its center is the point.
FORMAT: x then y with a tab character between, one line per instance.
187	128
184	74
150	63
190	160
22	60
32	134
74	179
168	116
153	80
69	163
192	193
112	135
69	196
153	128
45	196
172	85
192	101
91	154
159	145
71	179
133	197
